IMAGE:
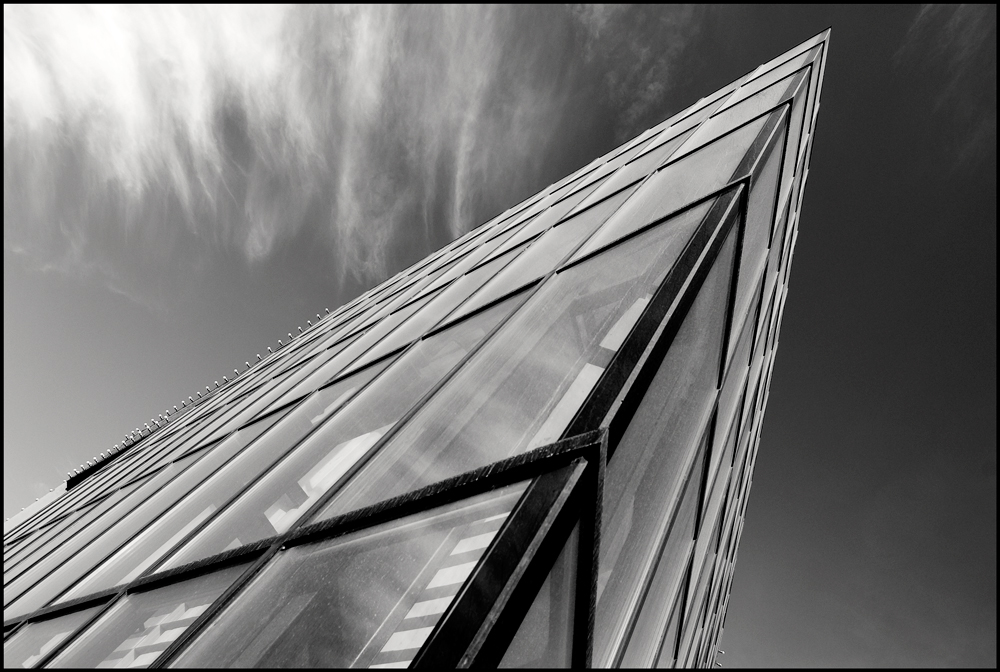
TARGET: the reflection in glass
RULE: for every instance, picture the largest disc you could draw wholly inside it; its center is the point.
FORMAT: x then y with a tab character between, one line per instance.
680	183
140	626
760	217
33	546
377	594
23	521
548	218
35	640
651	621
280	498
215	492
105	576
545	636
765	77
545	253
118	529
440	306
32	598
668	649
748	109
649	161
651	461
54	537
524	387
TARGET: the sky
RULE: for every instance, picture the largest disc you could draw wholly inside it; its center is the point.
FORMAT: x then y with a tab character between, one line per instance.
183	186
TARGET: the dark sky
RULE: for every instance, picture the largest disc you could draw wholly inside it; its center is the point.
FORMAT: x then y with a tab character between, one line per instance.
182	187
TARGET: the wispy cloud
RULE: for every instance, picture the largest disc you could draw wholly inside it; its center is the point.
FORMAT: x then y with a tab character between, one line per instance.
137	138
639	47
958	44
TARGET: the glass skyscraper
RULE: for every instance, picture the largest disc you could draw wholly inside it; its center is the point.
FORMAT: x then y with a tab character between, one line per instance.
532	448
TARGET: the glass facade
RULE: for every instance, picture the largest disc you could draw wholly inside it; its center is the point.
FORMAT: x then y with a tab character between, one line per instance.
533	448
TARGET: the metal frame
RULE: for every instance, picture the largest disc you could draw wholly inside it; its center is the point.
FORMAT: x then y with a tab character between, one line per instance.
568	477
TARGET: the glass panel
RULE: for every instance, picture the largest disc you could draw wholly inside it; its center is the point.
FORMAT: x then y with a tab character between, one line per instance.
523	389
92	489
726	431
464	264
619	227
192	511
391	585
764	78
628	151
695	119
739	351
140	626
683	182
285	376
266	403
19	522
112	572
113	508
440	306
545	253
116	530
637	169
545	637
774	255
48	540
748	109
668	652
15	552
760	217
278	500
332	365
644	643
384	326
756	363
645	475
698	593
732	388
35	640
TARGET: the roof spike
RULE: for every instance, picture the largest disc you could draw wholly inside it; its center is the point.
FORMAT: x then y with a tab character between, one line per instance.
327	310
258	357
236	371
224	380
248	365
269	351
309	322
